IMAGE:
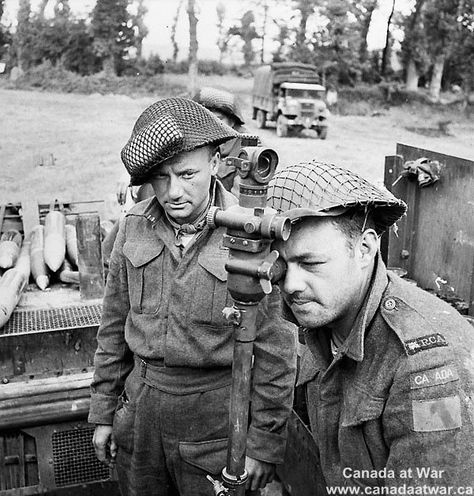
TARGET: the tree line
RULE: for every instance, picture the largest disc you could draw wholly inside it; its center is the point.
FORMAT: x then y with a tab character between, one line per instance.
437	47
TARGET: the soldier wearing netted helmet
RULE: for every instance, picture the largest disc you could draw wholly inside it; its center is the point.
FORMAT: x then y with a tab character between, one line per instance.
163	366
387	368
226	107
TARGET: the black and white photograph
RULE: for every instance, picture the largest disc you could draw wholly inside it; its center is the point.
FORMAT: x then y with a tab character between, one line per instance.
237	247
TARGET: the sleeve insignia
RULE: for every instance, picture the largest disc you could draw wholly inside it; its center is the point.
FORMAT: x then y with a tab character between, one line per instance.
433	377
413	346
442	414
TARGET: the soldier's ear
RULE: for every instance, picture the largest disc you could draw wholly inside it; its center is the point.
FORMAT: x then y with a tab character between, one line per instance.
215	161
368	246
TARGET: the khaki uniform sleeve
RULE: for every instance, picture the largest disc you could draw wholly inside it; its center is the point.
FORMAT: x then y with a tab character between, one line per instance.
273	380
113	360
428	421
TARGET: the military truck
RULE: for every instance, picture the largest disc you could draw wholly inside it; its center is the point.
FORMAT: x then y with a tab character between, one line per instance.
289	94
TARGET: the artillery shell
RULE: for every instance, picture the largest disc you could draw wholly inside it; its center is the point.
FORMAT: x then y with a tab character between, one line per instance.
71	243
38	265
12	284
54	239
10	244
23	263
67	274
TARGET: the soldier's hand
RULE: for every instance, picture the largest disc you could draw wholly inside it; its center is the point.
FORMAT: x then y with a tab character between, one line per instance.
104	444
260	473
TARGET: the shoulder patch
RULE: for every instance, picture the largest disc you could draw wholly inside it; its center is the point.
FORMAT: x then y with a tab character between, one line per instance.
442	414
413	346
433	377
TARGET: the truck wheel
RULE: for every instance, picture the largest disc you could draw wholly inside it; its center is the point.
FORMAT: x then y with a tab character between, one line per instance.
282	126
261	119
323	133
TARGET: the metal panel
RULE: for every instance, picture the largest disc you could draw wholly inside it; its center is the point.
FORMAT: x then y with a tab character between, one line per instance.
74	458
435	242
301	473
65	458
18	460
52	319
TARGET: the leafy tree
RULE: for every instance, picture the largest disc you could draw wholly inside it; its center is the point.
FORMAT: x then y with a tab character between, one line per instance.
60	40
42	8
337	45
22	37
173	32
223	36
247	32
193	48
461	60
386	49
438	35
263	6
283	37
414	50
441	25
113	33
305	8
364	11
5	35
79	55
139	26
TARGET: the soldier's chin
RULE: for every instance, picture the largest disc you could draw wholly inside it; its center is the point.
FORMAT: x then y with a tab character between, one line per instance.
309	317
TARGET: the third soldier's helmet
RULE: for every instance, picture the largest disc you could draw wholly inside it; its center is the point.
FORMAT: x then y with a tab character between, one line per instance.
221	100
318	189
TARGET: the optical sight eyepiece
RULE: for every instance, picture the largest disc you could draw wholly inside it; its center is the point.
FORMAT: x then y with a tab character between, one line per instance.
263	162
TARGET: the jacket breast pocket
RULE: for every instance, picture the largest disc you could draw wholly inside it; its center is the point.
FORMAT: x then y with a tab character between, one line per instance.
145	274
362	444
211	296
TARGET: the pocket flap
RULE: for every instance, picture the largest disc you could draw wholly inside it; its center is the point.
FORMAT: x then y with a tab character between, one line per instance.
140	253
360	406
209	456
214	262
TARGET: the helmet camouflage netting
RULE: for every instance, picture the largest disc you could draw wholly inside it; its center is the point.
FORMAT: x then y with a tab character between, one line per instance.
318	189
216	99
167	128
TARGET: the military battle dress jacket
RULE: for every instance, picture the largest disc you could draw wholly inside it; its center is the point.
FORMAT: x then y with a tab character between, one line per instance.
163	305
394	406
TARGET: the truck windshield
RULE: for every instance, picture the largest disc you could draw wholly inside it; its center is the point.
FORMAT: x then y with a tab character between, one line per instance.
310	94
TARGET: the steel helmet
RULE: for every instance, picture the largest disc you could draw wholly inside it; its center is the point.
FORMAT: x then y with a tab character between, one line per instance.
216	99
167	128
319	189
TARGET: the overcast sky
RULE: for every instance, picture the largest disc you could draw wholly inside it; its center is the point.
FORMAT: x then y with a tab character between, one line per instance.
161	12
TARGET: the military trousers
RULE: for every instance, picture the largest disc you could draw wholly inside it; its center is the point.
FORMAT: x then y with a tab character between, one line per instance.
171	428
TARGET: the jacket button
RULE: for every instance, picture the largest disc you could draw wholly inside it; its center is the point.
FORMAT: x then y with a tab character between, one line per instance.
390	304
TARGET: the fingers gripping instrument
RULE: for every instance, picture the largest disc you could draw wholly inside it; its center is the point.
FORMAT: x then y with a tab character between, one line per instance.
252	268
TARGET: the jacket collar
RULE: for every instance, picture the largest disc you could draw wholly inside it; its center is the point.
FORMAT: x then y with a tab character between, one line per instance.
353	346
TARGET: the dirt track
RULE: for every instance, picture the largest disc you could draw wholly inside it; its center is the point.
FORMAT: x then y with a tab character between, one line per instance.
85	134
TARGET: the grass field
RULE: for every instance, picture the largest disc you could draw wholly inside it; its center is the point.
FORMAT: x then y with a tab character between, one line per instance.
79	138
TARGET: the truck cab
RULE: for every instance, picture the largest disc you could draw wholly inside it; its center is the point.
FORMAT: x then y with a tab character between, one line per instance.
290	95
301	106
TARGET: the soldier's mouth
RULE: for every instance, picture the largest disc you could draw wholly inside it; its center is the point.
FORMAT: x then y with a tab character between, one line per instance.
176	206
